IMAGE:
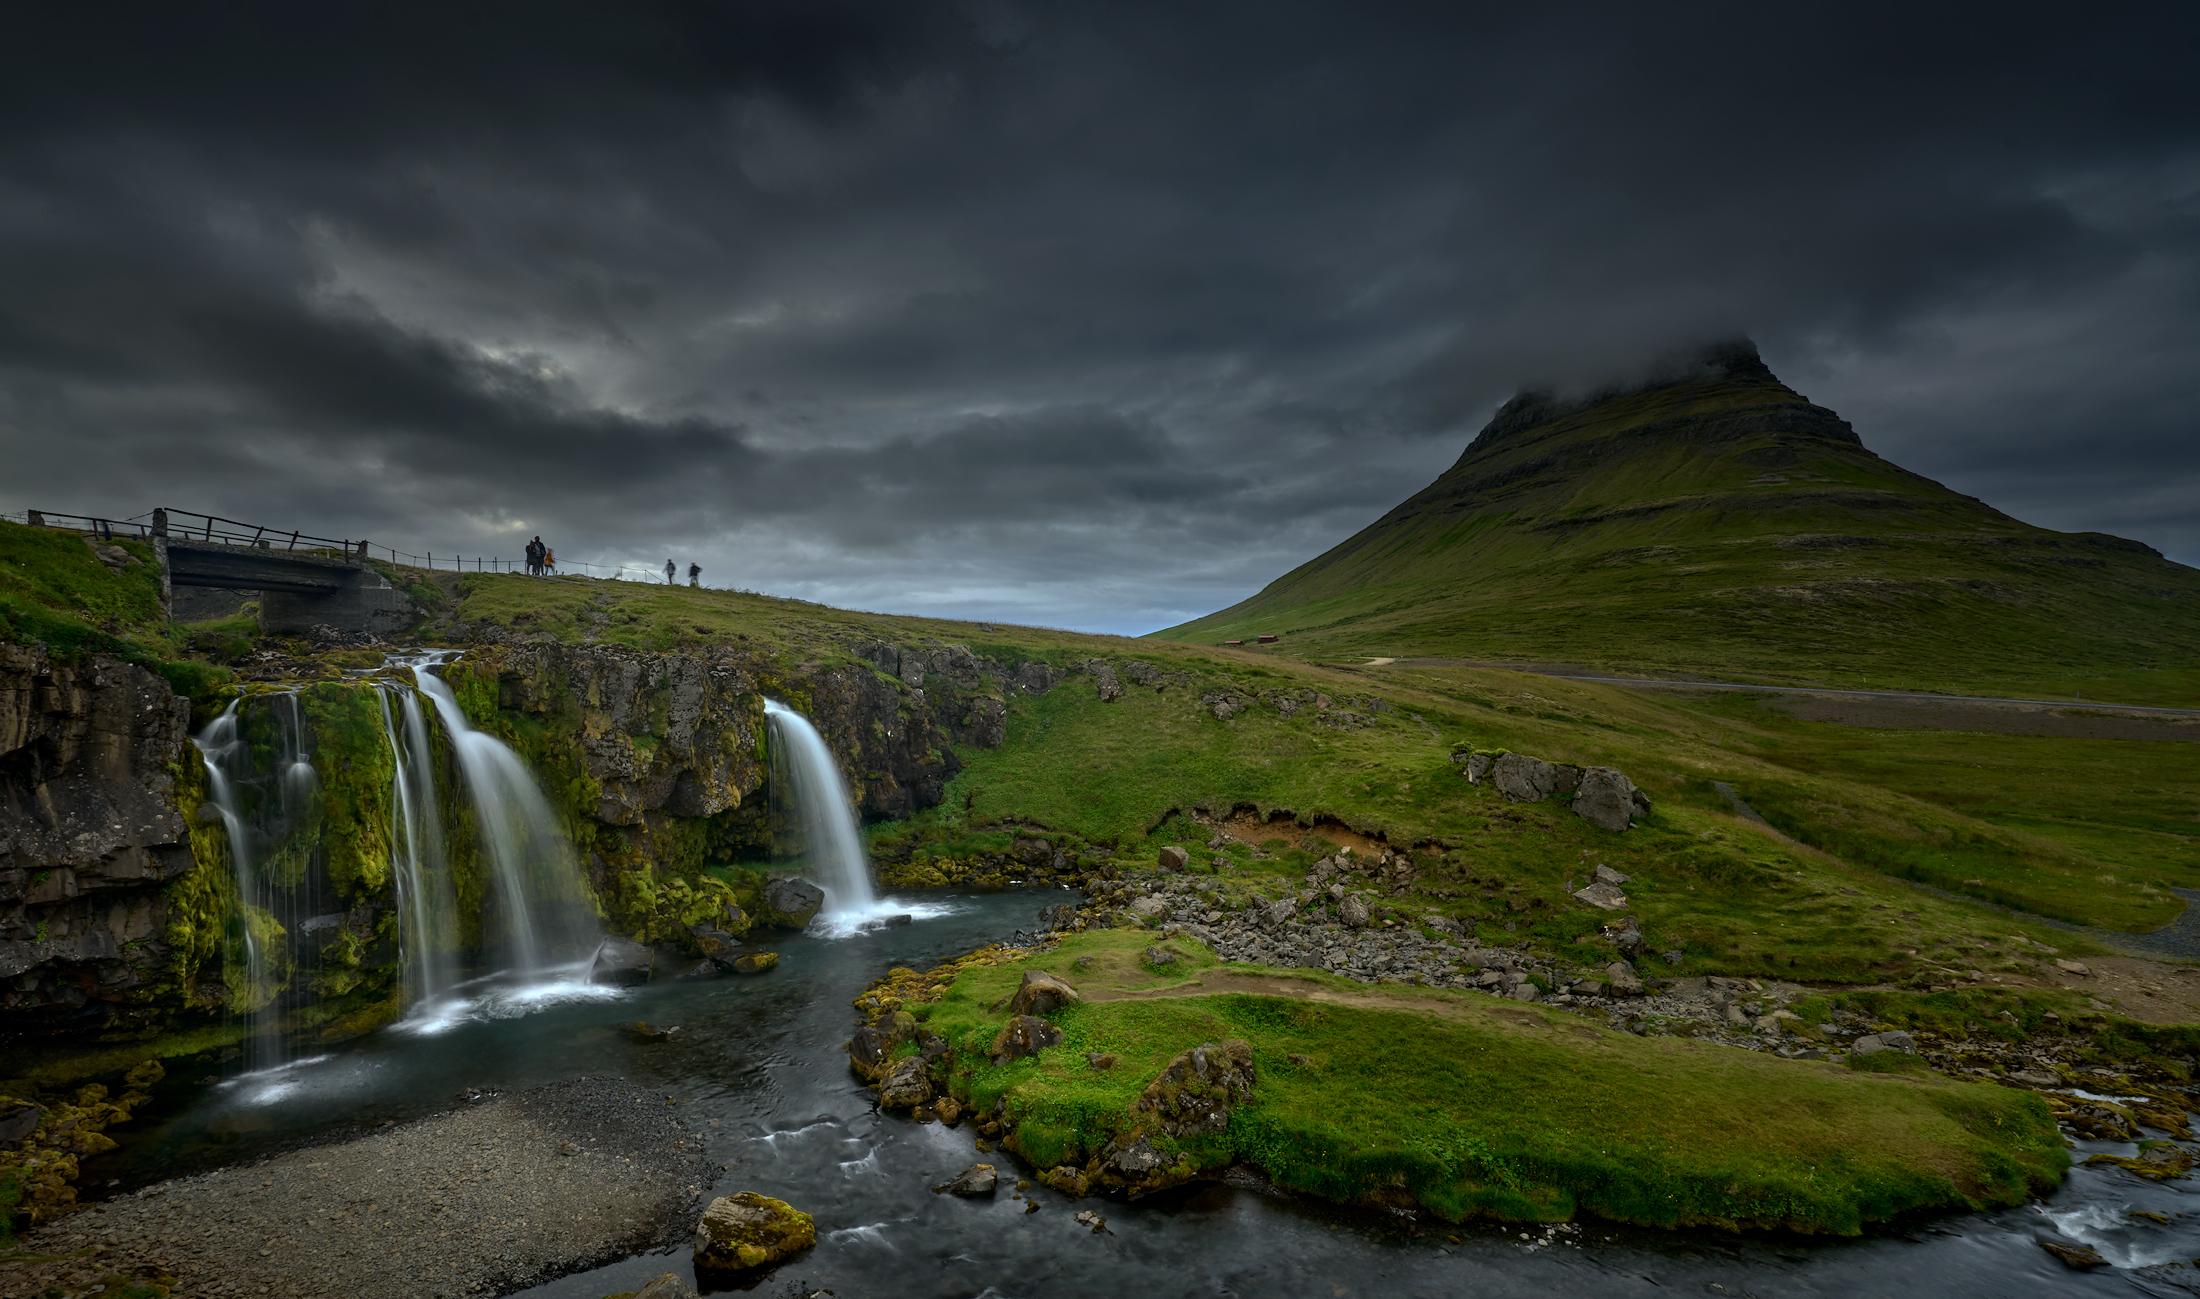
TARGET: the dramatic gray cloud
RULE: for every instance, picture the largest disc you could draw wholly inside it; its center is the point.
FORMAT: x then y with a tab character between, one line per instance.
1090	315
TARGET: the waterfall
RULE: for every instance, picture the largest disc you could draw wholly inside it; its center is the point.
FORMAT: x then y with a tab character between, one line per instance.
802	765
219	745
427	908
541	911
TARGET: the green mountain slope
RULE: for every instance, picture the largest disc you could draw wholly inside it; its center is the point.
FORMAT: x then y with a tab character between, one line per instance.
1720	523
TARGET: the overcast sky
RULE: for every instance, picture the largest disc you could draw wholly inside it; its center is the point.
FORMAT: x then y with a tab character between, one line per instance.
1096	315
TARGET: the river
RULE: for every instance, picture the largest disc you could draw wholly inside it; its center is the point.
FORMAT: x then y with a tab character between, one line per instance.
762	1059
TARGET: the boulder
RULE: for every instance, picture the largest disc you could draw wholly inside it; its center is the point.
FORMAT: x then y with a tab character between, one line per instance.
792	903
621	963
1041	993
1626	935
1149	906
1022	1036
1525	991
978	1179
641	1030
1279	912
1622	979
1110	688
1353	911
2073	967
1607	799
1158	955
1137	1159
949	1109
717	946
1195	1092
2038	1079
872	1047
18	1119
1478	766
906	1085
1174	859
1603	896
667	1286
1524	779
1606	875
755	962
1874	1043
2071	1254
737	921
744	1231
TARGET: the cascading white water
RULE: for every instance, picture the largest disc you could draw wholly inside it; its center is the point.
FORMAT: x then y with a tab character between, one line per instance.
541	910
831	844
219	745
426	906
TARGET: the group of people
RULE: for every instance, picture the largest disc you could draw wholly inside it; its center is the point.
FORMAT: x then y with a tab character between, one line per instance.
541	560
695	574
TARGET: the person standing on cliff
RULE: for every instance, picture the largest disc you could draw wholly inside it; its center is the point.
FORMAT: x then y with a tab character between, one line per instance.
534	557
669	572
695	573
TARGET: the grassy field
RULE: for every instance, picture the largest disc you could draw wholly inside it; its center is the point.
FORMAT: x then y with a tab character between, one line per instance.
1727	528
1470	1106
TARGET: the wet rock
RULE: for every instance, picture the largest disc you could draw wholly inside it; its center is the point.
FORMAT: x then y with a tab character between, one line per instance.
717	946
1041	993
792	903
18	1119
667	1286
872	1047
1609	800
621	963
1352	912
949	1109
1024	1035
1099	1225
1066	1178
1174	859
641	1030
744	1231
978	1179
755	962
2073	1255
1874	1043
700	970
906	1085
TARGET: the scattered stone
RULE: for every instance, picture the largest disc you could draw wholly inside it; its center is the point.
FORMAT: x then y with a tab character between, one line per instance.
1874	1043
700	970
1525	991
1602	896
755	962
2038	1079
2074	1256
1622	979
949	1109
2073	967
743	1231
643	1031
1100	1059
792	903
1024	1035
906	1085
621	963
1146	908
1087	1218
1353	912
1041	993
1606	875
1174	859
718	946
978	1179
1158	955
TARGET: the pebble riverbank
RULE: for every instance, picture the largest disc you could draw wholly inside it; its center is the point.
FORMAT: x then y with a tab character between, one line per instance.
503	1193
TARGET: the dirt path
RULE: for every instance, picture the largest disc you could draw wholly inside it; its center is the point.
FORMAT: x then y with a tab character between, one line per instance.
499	1195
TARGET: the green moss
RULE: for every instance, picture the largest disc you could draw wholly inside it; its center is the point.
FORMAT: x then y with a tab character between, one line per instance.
1513	1112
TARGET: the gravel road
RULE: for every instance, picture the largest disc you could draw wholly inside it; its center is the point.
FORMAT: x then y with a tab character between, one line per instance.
499	1195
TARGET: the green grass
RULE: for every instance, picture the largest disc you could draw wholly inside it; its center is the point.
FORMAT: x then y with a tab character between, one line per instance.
1470	1107
55	591
1602	538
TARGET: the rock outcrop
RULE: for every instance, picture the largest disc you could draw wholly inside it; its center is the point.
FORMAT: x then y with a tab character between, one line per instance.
90	830
1602	796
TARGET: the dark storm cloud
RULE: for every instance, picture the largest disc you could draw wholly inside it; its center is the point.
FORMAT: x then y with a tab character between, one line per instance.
1098	315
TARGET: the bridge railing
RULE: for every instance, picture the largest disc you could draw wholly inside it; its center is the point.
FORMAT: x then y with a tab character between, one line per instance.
190	525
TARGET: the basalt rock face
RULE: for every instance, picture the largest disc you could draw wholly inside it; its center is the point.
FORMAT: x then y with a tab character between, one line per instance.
89	832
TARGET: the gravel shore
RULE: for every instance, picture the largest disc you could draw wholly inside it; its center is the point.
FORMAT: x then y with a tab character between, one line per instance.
505	1193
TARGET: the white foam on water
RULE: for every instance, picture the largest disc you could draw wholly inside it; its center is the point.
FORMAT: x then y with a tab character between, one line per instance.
864	921
495	997
869	1234
868	1165
266	1086
2109	1231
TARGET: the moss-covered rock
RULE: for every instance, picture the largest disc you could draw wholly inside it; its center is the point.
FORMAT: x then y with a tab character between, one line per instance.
744	1231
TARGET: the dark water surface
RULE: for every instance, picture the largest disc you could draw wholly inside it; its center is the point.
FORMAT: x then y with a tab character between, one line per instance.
763	1059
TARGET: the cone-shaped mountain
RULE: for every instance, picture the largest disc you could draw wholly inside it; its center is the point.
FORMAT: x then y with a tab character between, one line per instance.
1714	520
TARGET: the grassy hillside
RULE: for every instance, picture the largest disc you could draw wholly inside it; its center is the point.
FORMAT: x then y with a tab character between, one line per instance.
1721	524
